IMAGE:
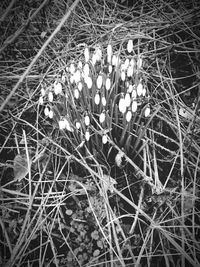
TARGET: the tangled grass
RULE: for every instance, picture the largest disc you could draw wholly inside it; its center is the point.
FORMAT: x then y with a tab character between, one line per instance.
99	133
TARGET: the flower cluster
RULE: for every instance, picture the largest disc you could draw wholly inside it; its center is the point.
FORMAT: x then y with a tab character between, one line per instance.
100	89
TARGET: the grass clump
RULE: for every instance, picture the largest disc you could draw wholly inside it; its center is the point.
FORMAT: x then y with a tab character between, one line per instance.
99	133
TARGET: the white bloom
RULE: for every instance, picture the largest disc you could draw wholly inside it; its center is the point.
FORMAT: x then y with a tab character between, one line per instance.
102	117
147	112
130	46
130	71
87	120
87	54
103	101
98	53
80	65
78	125
57	88
86	69
110	68
50	97
118	158
88	81
108	83
87	135
123	75
67	125
139	62
126	63
97	99
76	93
72	68
130	88
109	51
127	99
41	100
72	79
99	81
77	76
114	60
132	62
50	114
46	111
128	116
61	124
122	105
94	59
134	106
104	139
134	94
42	92
80	86
144	91
139	89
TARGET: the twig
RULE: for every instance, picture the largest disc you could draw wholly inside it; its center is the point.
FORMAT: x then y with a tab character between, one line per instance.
66	16
7	10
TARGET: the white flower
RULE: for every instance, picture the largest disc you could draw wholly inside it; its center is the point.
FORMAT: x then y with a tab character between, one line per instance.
126	63
97	99
50	114
80	86
78	125
130	88
76	93
103	101
118	158
108	83
132	62
94	59
102	117
139	89
114	60
123	75
98	53
122	105
134	94
128	116
67	125
50	96
144	91
72	79
87	120
127	99
61	124
130	46
43	91
104	139
134	106
130	71
86	69
109	50
80	65
99	81
72	68
88	81
87	135
46	111
147	112
139	62
87	54
77	76
57	88
41	100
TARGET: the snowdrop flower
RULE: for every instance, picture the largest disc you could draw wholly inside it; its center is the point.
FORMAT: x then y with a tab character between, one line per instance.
94	59
46	111
134	94
87	135
61	124
78	125
128	116
80	86
67	125
130	88
127	99
50	114
104	139
126	63
139	89
88	81
87	54
72	68
123	75
76	93
102	117
57	88
130	46
130	71
87	120
132	62
139	62
72	79
110	68
108	83
122	105
43	91
109	51
144	92
86	69
103	101
147	111
77	76
99	81
97	99
134	106
41	100
118	158
80	65
98	53
50	97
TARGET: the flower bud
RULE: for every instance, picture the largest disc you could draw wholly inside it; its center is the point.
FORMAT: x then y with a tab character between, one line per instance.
130	46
